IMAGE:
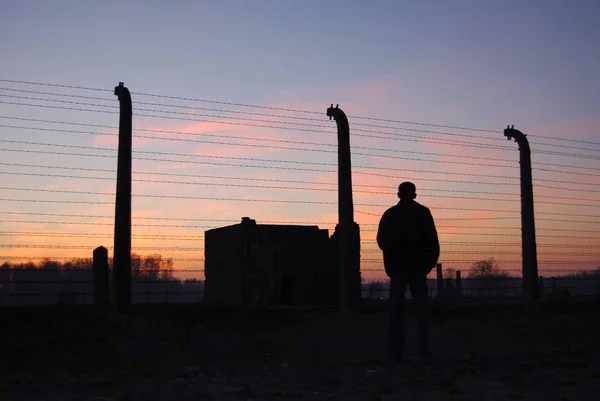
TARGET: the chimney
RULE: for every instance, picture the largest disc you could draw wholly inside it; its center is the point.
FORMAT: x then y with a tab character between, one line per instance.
248	221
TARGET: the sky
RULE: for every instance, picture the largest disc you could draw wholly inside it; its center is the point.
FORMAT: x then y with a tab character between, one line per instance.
441	64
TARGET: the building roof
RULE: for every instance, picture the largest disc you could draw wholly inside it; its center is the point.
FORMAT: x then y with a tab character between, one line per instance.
246	221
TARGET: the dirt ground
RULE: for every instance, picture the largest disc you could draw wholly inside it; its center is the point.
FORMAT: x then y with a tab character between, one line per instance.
175	352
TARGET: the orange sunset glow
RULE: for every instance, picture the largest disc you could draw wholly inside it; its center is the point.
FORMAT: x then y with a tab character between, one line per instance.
198	166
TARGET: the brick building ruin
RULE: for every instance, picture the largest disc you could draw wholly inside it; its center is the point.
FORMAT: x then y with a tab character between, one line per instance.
264	264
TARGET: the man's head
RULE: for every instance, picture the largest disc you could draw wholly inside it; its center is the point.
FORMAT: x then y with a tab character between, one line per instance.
407	191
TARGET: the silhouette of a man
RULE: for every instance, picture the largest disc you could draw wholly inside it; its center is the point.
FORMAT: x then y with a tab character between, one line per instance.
409	241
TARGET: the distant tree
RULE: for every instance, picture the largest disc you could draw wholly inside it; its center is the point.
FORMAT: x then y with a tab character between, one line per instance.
25	280
151	266
586	273
166	269
488	280
51	278
486	268
5	282
450	273
136	265
51	281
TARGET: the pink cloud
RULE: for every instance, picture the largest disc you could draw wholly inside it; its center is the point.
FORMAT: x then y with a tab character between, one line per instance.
113	141
208	127
236	150
228	139
73	184
110	139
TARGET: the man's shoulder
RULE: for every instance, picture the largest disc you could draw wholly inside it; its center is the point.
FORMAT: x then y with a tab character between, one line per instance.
423	207
408	208
422	210
389	211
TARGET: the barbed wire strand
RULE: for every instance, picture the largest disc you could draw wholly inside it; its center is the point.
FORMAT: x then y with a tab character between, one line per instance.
220	117
507	148
50	234
397	121
390	136
268	221
276	161
423	191
403	157
287	181
316	202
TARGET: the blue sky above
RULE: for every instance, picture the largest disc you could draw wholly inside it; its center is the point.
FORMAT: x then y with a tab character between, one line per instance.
527	62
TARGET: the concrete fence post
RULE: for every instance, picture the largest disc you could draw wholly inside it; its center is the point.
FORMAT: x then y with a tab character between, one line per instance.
440	278
529	245
122	280
101	281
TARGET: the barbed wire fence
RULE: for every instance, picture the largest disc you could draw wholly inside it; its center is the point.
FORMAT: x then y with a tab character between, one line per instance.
202	164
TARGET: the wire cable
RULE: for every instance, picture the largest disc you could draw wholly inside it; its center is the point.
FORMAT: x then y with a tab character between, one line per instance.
62	234
14	81
274	122
271	200
396	121
285	161
162	237
390	136
579	156
236	158
492	210
135	102
112	171
401	137
239	165
299	149
154	248
212	227
279	221
266	160
423	191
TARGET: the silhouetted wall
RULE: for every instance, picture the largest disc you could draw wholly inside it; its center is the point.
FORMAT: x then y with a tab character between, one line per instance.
261	264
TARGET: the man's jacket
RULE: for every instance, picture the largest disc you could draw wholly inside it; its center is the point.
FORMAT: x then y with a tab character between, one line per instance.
408	238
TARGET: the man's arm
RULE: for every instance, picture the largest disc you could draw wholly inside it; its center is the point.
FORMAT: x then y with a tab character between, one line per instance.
383	231
433	243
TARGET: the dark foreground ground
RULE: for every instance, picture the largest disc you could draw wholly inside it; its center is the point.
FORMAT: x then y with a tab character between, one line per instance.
484	352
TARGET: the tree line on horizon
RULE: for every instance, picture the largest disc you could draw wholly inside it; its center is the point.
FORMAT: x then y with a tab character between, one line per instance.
485	278
52	281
